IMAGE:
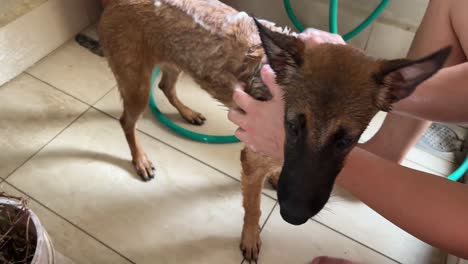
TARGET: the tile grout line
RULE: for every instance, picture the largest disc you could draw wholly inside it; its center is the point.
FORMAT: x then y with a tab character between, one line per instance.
356	241
371	30
68	221
66	93
181	151
92	106
61	131
171	146
268	217
54	50
46	144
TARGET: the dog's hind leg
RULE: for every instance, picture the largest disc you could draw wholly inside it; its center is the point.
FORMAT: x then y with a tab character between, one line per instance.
134	88
167	85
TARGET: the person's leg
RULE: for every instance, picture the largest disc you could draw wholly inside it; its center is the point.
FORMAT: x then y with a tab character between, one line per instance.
330	260
399	133
460	23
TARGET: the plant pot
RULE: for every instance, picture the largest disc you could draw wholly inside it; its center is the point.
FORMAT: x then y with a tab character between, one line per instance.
44	253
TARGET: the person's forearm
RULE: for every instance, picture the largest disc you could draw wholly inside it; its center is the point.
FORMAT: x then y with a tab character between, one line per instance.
442	98
430	208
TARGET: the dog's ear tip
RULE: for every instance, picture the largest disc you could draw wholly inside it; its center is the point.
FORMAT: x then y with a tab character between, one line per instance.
257	23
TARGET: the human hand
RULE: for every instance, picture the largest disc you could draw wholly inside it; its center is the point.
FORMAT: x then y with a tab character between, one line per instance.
261	124
312	36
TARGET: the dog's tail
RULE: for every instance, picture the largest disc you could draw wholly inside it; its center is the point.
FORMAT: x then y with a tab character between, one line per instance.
89	43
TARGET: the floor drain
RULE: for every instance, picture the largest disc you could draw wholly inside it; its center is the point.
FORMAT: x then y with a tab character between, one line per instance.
90	44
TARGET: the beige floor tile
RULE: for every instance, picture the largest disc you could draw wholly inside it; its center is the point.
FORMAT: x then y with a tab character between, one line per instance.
389	42
68	240
31	114
285	243
225	157
189	214
76	71
353	218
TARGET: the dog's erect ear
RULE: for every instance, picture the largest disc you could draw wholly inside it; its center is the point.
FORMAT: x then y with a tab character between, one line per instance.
399	78
285	53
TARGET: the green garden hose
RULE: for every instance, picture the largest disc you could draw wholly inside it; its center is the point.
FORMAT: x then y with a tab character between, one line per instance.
333	18
232	139
458	173
180	130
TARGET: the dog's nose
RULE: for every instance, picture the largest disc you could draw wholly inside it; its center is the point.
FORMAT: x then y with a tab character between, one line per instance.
295	215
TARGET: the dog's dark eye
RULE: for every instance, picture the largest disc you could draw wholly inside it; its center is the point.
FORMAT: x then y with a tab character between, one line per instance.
343	139
344	142
295	125
292	127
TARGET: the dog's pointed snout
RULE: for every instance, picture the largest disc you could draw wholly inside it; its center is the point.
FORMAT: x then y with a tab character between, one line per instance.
294	215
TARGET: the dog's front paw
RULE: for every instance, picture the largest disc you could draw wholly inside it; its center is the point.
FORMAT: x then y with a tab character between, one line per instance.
251	243
144	167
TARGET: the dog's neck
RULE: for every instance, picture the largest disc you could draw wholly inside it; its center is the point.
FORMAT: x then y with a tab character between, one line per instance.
254	62
255	86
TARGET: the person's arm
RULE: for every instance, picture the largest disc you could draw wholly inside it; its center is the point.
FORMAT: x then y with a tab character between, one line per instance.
430	208
442	98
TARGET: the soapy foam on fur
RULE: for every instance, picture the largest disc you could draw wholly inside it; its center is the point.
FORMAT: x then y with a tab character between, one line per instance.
185	7
240	20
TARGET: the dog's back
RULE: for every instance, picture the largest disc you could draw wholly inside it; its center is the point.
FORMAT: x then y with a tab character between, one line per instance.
206	39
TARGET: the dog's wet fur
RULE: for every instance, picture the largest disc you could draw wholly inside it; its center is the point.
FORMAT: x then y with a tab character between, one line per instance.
331	92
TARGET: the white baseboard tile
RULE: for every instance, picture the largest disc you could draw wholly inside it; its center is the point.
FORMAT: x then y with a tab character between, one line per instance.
32	36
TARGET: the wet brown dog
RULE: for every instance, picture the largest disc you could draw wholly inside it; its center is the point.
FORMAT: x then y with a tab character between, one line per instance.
331	91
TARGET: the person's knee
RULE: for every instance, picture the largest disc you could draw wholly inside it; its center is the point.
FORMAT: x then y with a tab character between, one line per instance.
459	22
